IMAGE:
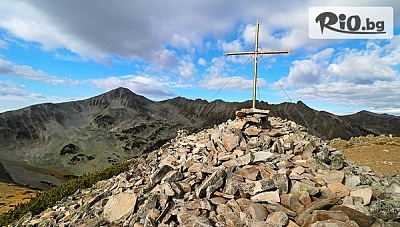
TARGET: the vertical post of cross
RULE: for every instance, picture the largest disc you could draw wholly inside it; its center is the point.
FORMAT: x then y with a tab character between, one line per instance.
255	63
255	53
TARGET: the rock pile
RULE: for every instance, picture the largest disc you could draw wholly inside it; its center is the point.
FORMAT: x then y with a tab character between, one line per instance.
252	171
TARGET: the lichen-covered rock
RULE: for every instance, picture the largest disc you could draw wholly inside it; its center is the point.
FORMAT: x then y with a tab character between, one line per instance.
386	210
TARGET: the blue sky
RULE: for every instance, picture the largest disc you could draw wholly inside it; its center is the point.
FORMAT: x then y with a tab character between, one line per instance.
58	51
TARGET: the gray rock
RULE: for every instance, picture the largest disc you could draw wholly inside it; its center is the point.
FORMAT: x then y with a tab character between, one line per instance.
263	156
337	160
270	197
316	205
281	181
365	192
245	159
213	181
159	174
386	210
362	219
279	218
119	205
351	181
335	223
258	212
300	188
277	147
256	187
230	142
291	202
332	176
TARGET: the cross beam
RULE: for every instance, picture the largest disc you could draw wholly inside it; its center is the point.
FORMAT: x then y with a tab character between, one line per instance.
256	52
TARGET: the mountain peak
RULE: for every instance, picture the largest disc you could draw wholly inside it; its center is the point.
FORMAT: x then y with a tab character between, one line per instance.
121	90
125	97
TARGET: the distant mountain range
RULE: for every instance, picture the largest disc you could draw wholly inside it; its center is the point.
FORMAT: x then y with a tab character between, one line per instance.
42	145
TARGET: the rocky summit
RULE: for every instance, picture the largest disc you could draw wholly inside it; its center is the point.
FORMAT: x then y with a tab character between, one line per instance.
252	171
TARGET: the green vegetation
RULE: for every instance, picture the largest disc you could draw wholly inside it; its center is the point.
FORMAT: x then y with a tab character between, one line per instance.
378	186
49	197
393	203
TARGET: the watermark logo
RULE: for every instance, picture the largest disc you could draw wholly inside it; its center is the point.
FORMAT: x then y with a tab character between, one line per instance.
350	22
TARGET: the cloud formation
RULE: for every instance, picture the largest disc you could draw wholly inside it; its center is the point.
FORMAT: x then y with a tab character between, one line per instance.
16	92
368	77
146	30
216	77
8	68
128	29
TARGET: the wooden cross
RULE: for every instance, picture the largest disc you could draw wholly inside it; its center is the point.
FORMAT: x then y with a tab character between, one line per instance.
256	52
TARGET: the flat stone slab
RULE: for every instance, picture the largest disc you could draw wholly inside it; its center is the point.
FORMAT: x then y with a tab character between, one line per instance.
119	205
244	112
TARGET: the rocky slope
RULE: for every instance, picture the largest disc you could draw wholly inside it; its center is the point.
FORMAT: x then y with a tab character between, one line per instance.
42	145
252	171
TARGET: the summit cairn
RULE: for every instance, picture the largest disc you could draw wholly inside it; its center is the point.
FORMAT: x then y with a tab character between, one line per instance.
239	173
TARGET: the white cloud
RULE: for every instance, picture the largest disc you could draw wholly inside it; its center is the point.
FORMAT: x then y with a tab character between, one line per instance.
165	58
186	68
233	46
15	96
323	56
149	86
237	83
303	73
99	30
369	77
3	44
217	78
16	92
8	68
308	71
379	94
365	66
202	62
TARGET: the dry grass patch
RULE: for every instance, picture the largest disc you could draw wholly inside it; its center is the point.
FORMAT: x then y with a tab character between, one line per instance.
380	153
11	195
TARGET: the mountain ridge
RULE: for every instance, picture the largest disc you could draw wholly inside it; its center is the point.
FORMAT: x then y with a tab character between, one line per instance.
120	124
